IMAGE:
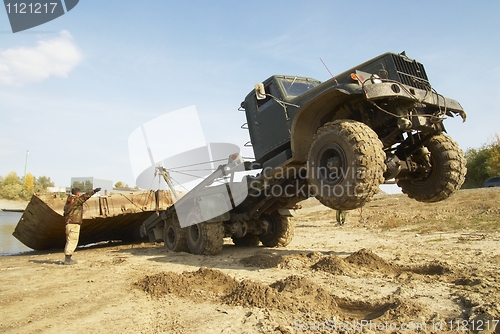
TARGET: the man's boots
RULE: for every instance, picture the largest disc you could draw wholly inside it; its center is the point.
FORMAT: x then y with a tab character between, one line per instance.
68	260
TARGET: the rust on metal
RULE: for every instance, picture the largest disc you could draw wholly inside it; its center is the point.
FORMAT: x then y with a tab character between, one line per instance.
42	225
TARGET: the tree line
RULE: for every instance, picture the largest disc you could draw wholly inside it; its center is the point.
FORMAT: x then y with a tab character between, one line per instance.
482	163
14	187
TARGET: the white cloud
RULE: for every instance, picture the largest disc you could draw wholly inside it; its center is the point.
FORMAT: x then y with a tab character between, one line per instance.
54	57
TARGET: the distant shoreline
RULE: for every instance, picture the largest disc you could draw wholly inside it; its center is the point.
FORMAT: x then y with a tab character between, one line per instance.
12	205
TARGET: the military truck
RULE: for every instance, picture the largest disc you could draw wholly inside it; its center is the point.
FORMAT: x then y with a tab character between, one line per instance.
338	140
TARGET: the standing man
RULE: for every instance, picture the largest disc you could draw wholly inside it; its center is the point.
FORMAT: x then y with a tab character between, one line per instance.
341	214
73	213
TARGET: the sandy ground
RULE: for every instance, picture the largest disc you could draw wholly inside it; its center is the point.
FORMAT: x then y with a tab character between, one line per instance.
399	266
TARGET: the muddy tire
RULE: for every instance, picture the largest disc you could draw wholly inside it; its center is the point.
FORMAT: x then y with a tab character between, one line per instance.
280	232
345	164
248	240
446	176
174	237
204	238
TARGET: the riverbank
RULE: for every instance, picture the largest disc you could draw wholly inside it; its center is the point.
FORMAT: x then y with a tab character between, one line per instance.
12	205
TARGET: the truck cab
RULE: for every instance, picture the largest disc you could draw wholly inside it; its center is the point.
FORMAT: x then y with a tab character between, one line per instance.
270	117
383	112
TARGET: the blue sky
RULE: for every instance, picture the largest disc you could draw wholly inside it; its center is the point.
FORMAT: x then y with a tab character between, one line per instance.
74	89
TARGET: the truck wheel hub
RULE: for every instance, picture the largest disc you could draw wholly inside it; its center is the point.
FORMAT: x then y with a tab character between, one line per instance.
331	163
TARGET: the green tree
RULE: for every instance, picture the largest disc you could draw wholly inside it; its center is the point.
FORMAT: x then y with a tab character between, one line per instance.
78	184
493	162
43	182
120	184
88	186
476	167
14	187
11	191
11	187
12	179
482	163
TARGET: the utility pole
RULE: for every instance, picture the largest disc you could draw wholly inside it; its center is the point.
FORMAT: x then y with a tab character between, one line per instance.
23	192
25	165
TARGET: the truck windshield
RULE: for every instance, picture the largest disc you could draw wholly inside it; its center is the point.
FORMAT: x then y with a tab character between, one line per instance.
295	87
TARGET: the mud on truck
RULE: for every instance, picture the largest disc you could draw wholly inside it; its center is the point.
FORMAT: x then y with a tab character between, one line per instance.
338	140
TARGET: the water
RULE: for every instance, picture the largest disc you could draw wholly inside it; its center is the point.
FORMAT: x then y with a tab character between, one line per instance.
9	244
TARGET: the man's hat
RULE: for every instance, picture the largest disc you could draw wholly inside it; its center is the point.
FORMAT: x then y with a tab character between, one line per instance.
75	191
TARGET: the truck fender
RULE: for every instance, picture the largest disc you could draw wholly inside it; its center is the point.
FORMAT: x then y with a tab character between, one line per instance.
315	113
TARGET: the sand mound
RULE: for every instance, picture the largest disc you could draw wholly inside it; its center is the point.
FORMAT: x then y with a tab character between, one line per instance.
249	293
334	265
294	294
365	262
433	268
262	261
366	259
184	284
299	261
291	261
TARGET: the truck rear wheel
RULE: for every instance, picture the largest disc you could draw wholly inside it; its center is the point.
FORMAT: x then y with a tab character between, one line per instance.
445	175
204	238
280	231
345	164
248	240
174	237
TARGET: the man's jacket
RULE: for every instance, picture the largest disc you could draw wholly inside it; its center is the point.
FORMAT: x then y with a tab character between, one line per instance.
73	209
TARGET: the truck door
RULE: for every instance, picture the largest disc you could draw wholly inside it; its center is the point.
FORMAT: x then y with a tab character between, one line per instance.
271	125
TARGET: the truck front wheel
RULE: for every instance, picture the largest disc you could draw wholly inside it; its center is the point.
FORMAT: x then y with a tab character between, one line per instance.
204	238
443	177
345	164
280	230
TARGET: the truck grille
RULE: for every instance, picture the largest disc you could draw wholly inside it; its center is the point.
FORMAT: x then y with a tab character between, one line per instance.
411	72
